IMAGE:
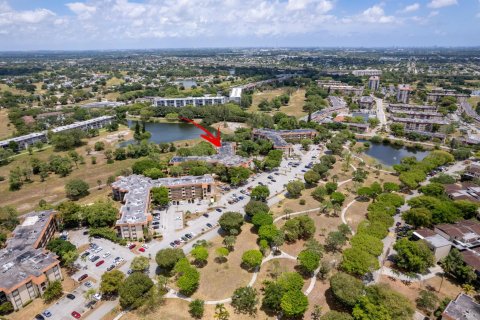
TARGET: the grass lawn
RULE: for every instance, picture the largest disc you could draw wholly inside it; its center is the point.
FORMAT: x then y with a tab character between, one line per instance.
261	95
473	101
114	81
6	128
13	90
294	107
52	190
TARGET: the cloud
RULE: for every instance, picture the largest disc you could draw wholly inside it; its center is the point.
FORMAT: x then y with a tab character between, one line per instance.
375	14
411	8
436	4
81	9
11	19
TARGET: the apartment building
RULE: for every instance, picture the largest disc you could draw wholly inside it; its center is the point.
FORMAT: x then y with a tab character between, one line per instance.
27	268
225	155
367	72
24	141
236	94
192	101
333	86
366	102
281	138
464	307
403	93
438	93
416	118
374	83
134	192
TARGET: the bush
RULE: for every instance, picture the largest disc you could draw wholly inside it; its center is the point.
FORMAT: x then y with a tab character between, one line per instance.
167	258
76	189
54	291
346	289
134	290
196	308
252	259
231	221
108	234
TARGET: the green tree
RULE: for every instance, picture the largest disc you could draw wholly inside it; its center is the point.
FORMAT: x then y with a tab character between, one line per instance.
346	289
200	254
337	198
188	278
331	187
309	261
54	291
140	264
335	315
427	301
196	308
418	217
76	189
222	254
133	291
290	281
160	196
319	193
253	207
167	258
294	303
390	187
268	232
359	262
262	219
8	217
111	282
413	256
101	214
252	259
229	242
231	221
260	193
311	177
245	300
335	241
367	243
454	265
366	310
272	296
295	188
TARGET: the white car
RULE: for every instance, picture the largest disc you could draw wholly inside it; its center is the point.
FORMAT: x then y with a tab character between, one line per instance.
97	296
98	249
106	255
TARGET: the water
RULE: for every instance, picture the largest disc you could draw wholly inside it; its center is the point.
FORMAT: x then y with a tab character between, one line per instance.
168	132
389	155
187	84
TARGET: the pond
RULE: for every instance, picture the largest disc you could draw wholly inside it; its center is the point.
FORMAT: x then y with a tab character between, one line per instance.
168	132
389	155
188	83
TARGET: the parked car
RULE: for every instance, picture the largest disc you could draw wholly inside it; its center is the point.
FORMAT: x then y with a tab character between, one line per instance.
47	313
83	277
70	296
39	317
141	249
85	254
206	215
209	225
130	271
99	263
218	210
76	315
106	255
177	242
156	227
95	258
97	296
188	236
185	239
133	245
88	284
111	267
172	244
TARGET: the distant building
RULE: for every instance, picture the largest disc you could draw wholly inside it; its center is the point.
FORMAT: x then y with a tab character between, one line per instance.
192	101
333	86
281	138
366	102
236	94
417	118
463	307
464	190
438	244
438	93
367	72
403	93
338	105
463	234
27	268
374	83
103	104
134	192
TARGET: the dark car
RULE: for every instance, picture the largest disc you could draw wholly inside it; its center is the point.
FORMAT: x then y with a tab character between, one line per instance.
218	210
172	244
189	236
111	267
209	225
95	258
83	277
133	245
85	232
70	296
184	239
39	317
177	242
206	215
86	253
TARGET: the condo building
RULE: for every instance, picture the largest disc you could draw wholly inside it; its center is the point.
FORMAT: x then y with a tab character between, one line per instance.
403	93
279	138
225	155
417	118
374	83
189	101
27	267
333	86
367	72
134	192
438	93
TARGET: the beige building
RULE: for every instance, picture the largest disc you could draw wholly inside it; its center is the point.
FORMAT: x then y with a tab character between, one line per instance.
134	192
27	268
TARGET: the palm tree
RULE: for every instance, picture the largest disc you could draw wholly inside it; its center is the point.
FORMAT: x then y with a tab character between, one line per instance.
335	178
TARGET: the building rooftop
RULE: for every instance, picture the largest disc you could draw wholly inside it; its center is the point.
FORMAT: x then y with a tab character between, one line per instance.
236	92
277	137
81	124
464	234
437	241
21	259
225	155
137	188
463	307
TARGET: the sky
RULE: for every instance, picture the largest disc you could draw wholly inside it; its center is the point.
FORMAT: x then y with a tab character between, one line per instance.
147	24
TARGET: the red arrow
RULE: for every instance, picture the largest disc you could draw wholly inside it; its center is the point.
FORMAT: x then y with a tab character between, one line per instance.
215	140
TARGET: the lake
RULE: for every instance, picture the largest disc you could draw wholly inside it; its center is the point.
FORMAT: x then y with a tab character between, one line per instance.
389	155
168	132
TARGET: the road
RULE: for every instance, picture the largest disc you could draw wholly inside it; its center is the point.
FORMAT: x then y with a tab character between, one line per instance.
380	112
63	308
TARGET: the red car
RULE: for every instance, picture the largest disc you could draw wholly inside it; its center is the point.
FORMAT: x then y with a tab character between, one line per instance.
99	263
76	315
133	245
141	249
83	277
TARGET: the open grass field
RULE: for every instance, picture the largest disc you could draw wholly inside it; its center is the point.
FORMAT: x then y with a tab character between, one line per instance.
6	128
52	190
474	100
114	81
261	95
4	87
294	107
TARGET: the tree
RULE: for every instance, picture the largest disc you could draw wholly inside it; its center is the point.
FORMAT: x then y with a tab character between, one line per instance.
245	300
200	253
65	250
196	308
331	187
54	291
140	264
311	177
337	198
6	308
346	289
134	290
167	258
427	301
76	189
272	296
222	254
260	193
319	193
221	312
359	262
433	189
365	310
231	221
15	179
101	214
413	256
454	264
418	217
188	278
252	259
335	241
111	282
367	243
160	196
8	217
290	281
295	188
302	227
294	303
253	207
396	305
390	187
229	242
309	261
268	232
262	219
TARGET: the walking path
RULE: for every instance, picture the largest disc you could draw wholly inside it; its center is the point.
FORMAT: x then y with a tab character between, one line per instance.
344	211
